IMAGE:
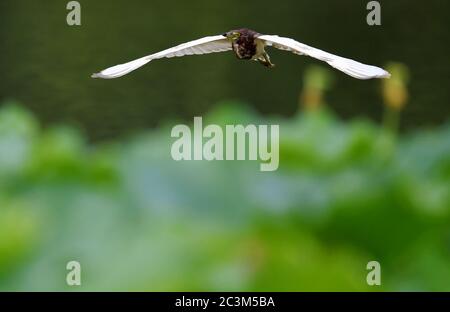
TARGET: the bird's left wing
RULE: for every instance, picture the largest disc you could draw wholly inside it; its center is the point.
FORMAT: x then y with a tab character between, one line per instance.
204	45
350	67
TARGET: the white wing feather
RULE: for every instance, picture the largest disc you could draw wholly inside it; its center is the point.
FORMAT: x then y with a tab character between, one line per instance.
348	66
204	45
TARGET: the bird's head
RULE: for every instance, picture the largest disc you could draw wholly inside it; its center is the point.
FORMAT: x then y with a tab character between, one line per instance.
232	35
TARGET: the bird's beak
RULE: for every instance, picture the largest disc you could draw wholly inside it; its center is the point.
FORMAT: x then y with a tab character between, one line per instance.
231	36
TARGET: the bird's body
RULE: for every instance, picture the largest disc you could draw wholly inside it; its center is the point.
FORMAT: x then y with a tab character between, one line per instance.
245	46
248	44
249	47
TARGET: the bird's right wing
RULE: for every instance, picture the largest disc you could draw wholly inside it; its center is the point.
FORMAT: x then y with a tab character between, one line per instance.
204	45
350	67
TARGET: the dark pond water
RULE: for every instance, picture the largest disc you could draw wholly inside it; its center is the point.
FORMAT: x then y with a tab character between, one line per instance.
46	64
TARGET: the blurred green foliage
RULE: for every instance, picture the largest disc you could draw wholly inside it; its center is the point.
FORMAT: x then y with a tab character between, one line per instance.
345	194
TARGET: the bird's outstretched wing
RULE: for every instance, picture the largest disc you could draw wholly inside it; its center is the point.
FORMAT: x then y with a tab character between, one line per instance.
348	66
204	45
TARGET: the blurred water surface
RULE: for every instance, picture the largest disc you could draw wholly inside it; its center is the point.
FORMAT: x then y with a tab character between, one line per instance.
47	64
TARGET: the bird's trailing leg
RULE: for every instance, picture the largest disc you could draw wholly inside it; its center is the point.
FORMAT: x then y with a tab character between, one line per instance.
264	59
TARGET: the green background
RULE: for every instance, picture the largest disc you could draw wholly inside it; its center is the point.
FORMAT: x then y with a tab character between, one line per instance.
86	172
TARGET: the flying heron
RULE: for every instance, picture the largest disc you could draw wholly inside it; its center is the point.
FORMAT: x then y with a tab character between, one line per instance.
249	45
